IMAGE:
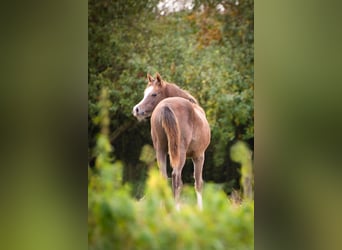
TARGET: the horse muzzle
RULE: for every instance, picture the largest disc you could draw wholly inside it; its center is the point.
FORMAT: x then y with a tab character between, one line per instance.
139	113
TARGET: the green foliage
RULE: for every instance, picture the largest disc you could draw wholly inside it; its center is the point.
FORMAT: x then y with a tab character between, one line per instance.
117	221
242	154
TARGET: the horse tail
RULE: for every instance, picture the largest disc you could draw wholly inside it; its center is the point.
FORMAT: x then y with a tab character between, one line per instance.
171	127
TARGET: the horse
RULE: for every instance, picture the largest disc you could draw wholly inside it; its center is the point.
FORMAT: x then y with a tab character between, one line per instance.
178	127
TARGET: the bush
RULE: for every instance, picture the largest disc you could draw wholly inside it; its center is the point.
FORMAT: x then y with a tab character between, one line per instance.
117	221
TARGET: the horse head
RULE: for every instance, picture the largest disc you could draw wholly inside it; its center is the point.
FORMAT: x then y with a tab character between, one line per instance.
153	94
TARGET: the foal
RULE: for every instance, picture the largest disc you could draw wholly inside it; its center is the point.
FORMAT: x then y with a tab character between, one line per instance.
178	127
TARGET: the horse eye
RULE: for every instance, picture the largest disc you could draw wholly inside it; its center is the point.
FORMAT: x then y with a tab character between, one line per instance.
154	94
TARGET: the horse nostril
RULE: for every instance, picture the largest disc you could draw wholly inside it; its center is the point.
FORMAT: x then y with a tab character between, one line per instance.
137	110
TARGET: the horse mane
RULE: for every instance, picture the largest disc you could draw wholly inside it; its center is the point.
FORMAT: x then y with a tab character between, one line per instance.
180	92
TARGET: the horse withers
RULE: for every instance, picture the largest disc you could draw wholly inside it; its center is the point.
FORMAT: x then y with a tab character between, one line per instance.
178	127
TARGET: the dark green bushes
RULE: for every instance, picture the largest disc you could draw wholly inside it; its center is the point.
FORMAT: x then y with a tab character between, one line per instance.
205	51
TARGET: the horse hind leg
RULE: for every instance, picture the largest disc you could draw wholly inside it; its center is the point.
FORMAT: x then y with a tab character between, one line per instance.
161	159
177	186
198	167
177	180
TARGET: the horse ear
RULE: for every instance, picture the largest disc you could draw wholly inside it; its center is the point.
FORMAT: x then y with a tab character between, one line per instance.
159	79
150	78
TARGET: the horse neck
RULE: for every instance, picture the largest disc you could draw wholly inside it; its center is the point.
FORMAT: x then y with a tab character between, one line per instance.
173	90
